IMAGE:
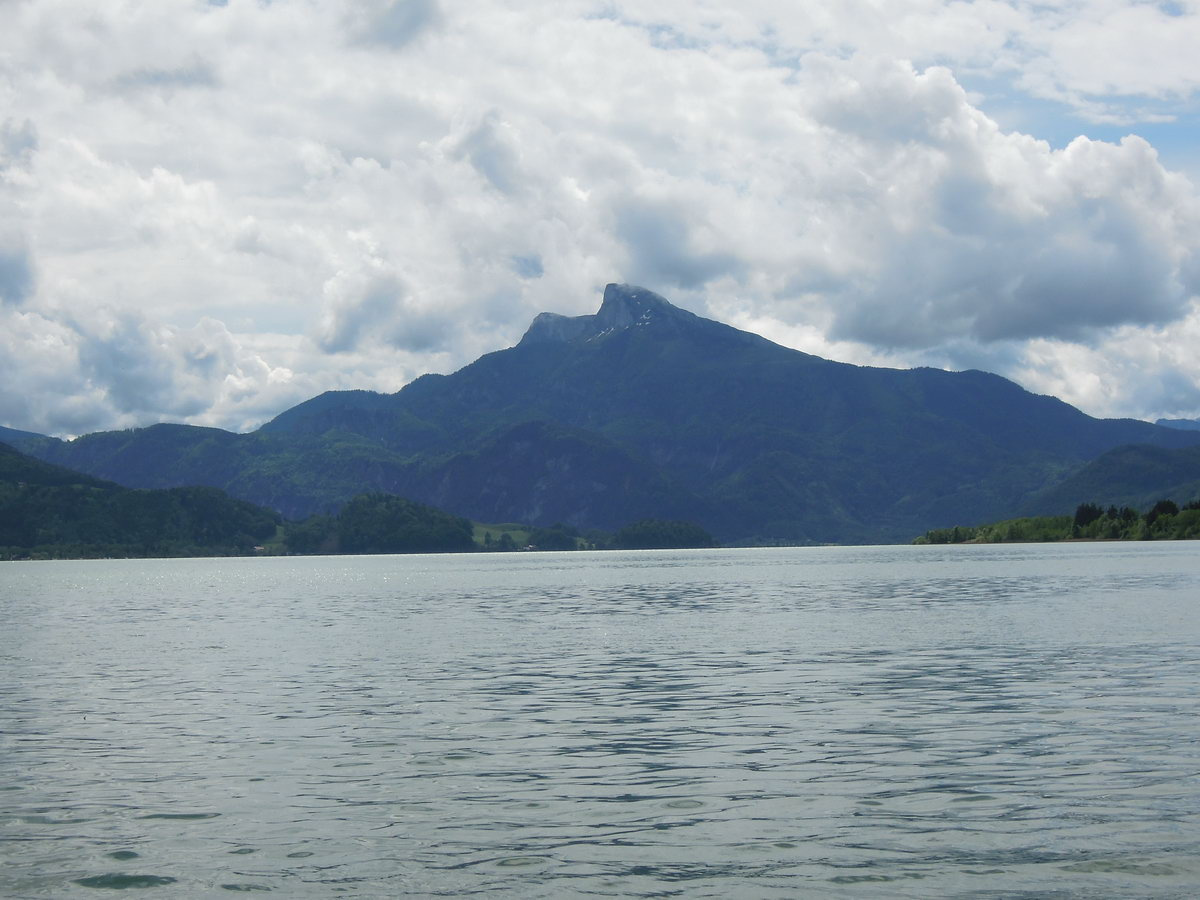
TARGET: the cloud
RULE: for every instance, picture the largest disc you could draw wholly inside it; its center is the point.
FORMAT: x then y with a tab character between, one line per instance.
197	74
492	153
529	266
16	273
661	247
18	143
358	307
394	23
1092	54
343	327
210	211
1093	58
966	231
369	303
1151	370
106	369
130	359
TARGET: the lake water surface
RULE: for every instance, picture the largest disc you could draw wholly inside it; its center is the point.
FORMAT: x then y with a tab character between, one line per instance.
885	721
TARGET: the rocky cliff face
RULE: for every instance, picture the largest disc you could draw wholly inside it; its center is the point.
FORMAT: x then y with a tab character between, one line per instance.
624	306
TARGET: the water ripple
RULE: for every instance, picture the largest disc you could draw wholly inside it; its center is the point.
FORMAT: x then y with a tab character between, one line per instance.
902	722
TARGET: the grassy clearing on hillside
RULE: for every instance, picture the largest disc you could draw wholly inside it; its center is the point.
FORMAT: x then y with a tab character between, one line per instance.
491	537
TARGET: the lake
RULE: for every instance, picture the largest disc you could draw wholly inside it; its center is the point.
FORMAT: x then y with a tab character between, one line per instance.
963	721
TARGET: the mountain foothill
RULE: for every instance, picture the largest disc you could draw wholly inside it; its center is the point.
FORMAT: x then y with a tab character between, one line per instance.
645	411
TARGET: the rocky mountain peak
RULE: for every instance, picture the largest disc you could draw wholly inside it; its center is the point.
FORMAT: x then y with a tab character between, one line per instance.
627	304
624	306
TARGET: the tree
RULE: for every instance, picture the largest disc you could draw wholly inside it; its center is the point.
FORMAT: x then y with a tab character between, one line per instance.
1161	508
556	537
653	534
385	523
1086	513
316	534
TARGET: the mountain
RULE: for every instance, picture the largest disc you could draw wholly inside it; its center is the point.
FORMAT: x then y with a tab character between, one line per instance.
645	410
20	470
294	475
1135	476
1183	424
17	439
53	511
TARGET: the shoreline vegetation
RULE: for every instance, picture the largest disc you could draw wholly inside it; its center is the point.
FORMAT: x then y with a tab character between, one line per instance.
327	537
48	512
100	520
1164	521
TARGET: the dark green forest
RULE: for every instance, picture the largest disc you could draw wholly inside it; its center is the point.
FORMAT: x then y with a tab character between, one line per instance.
381	523
653	534
50	512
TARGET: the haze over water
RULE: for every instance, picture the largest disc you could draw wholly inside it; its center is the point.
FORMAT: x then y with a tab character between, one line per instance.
887	721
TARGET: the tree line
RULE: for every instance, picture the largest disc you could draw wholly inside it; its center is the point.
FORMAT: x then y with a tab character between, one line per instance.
385	523
1163	521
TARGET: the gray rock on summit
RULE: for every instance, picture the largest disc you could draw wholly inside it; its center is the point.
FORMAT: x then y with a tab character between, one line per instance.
624	305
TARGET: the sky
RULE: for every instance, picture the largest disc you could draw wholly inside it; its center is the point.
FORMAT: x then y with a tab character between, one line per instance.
210	211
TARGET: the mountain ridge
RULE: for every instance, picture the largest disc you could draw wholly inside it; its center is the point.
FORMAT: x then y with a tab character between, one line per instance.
644	403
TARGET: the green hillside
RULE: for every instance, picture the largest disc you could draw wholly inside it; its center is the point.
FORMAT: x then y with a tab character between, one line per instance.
48	511
1134	476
